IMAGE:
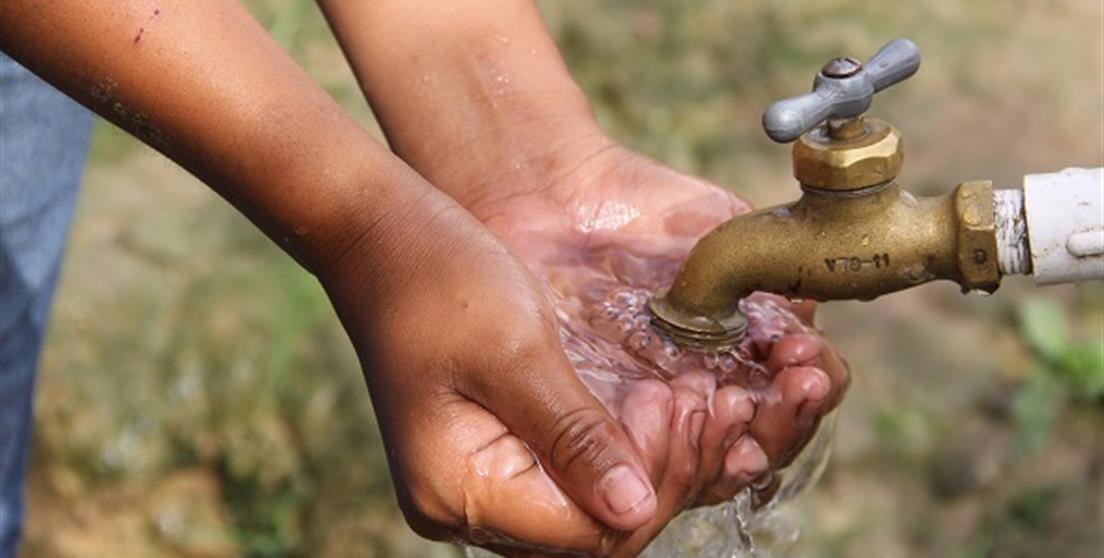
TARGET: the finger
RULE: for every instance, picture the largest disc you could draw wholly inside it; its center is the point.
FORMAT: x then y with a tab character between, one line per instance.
805	310
504	473
809	349
692	392
788	412
838	371
728	419
509	551
680	481
646	414
744	463
461	478
542	400
798	349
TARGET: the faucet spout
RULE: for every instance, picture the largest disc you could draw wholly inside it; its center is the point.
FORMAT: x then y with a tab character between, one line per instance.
830	245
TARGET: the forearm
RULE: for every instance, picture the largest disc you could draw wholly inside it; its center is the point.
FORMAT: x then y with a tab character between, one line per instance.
202	83
463	87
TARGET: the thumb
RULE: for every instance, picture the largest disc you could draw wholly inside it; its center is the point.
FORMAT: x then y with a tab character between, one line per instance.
540	398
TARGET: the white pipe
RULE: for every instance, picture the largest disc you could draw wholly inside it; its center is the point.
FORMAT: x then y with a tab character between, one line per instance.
1054	227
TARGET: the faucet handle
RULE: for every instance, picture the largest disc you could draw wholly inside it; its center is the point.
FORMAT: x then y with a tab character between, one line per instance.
842	89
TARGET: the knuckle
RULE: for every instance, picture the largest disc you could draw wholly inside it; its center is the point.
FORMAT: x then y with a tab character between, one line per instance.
583	437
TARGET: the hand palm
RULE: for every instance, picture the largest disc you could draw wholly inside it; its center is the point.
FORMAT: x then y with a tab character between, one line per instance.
620	223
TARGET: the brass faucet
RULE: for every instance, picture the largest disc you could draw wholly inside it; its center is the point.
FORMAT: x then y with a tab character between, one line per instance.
853	234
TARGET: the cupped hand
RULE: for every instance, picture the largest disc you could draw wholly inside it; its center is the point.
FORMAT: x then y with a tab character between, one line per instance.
492	438
604	228
499	437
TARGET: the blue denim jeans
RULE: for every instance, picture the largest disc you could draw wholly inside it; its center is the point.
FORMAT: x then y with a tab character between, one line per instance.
43	142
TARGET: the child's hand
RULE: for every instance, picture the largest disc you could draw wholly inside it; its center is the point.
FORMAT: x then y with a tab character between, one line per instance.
488	113
492	438
613	221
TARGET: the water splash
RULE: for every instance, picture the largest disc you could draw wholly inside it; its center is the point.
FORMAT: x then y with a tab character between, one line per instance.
735	529
600	299
608	336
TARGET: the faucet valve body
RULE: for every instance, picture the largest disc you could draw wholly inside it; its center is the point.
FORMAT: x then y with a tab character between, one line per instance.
853	234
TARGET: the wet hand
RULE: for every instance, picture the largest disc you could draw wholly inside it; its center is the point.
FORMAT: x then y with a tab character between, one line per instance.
491	436
595	219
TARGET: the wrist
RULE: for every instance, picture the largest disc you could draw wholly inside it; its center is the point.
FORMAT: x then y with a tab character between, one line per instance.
343	196
496	115
516	151
464	89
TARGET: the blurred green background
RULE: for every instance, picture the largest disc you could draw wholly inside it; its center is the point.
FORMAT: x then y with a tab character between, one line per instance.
198	398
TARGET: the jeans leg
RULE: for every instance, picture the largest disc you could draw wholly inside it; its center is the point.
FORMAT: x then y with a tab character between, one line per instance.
43	142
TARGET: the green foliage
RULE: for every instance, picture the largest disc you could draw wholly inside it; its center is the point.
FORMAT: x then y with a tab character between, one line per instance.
1045	328
1025	516
1036	410
1079	364
904	431
1067	367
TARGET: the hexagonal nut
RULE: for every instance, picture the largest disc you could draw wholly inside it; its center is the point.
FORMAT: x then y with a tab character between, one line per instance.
874	157
977	235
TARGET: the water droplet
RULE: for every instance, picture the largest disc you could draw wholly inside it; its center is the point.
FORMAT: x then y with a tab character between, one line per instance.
711	360
639	340
625	324
728	363
624	299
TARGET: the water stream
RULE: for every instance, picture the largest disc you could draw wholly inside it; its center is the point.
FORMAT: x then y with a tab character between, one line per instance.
735	530
600	298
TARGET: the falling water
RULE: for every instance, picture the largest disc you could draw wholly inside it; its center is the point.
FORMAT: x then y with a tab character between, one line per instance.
735	530
600	299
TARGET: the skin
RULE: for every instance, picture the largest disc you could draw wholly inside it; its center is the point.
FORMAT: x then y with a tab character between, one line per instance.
494	414
388	247
513	140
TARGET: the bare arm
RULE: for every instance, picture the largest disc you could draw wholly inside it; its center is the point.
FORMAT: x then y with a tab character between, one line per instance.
464	88
204	84
475	96
459	348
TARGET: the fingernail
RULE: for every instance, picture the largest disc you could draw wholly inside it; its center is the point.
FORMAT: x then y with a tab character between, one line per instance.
817	386
816	389
623	490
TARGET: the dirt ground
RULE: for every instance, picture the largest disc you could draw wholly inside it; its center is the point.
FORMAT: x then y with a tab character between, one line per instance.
197	397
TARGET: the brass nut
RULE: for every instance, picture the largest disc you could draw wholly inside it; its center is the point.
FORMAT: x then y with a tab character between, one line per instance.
873	157
977	235
695	332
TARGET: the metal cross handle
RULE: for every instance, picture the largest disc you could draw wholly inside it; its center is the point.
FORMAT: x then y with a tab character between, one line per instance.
843	88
